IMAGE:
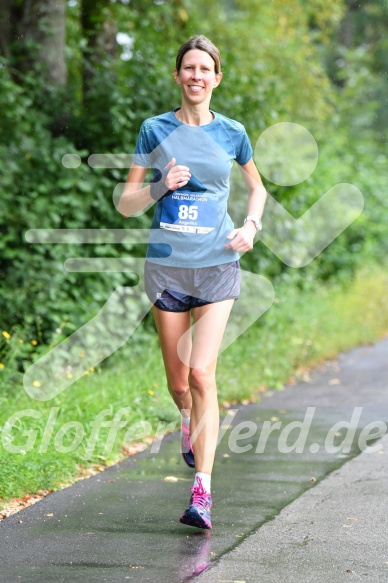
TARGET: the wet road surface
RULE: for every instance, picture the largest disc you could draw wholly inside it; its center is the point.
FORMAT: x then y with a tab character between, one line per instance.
123	524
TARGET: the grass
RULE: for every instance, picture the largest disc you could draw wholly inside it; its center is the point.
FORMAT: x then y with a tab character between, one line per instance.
303	328
55	442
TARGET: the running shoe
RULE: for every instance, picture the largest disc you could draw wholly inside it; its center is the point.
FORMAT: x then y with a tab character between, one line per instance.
186	447
198	513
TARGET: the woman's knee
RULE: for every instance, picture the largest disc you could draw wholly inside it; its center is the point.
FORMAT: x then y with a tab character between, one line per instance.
178	389
201	379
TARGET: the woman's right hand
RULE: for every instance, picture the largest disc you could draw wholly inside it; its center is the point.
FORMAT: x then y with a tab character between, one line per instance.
177	176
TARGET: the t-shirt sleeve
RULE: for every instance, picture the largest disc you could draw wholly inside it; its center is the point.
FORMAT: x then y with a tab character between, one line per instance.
143	147
244	150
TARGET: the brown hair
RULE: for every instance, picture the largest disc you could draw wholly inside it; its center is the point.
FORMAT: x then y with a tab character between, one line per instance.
201	43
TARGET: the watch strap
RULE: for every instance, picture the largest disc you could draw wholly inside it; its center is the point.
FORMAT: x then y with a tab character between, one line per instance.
256	220
158	188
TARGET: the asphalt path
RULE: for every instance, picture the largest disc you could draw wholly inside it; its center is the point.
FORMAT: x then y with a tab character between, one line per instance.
295	497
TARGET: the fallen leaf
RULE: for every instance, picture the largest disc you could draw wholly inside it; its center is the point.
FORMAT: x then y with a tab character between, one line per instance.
170	479
136	567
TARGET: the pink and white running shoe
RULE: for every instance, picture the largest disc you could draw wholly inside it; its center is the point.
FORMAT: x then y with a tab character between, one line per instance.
198	513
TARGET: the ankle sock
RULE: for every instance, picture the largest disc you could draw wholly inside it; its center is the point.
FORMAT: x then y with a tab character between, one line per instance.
205	478
186	421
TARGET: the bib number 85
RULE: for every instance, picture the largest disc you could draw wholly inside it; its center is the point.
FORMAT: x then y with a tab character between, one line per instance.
188	212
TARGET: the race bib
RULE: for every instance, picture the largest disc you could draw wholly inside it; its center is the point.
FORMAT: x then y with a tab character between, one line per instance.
189	212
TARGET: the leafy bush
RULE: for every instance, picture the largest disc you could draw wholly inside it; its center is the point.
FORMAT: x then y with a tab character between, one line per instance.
40	193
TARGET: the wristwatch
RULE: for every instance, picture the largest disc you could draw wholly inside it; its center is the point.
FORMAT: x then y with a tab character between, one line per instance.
256	220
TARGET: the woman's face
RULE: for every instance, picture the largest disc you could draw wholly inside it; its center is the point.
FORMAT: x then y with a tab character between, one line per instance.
197	77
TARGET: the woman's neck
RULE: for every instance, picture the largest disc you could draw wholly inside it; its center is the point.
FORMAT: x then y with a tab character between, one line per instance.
194	116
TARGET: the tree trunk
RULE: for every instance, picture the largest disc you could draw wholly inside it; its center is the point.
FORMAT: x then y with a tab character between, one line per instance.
44	22
99	31
347	25
5	27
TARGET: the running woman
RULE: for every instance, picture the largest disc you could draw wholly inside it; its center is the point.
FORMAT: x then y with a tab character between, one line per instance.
192	266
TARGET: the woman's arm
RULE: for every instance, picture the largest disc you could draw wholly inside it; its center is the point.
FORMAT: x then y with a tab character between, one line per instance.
135	197
242	238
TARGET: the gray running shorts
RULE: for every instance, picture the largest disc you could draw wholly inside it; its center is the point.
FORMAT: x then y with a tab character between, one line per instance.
178	289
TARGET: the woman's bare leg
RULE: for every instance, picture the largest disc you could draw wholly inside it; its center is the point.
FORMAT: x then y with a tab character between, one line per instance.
209	326
171	327
191	371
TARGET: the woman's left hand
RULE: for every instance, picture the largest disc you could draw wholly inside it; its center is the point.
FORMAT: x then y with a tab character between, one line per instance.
242	238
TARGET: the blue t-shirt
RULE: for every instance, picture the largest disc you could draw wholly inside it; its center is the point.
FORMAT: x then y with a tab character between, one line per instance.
189	227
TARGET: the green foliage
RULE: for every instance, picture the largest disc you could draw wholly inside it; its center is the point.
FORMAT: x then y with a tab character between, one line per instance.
282	61
40	193
357	63
271	61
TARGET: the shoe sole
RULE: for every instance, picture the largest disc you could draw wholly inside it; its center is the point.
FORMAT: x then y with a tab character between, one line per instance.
193	519
186	460
187	454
